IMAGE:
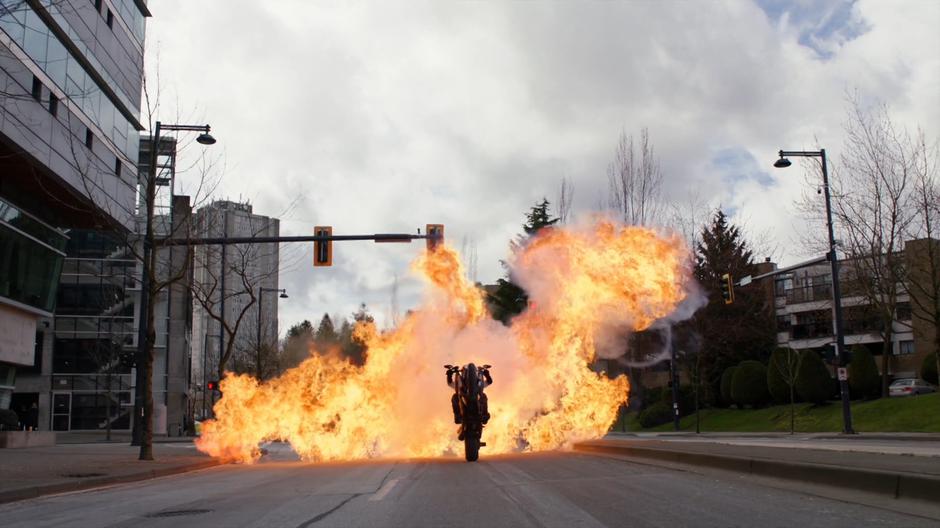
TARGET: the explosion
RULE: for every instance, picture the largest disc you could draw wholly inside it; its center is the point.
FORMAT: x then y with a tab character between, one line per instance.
545	394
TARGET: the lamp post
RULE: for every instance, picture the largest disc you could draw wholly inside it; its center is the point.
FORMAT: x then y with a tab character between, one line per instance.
146	334
261	291
781	163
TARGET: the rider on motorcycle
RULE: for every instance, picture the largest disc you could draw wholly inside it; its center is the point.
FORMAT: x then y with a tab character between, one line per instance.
484	404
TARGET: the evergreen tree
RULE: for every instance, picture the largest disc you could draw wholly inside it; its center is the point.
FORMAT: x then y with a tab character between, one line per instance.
351	347
296	347
864	379
813	383
326	334
299	329
508	299
731	333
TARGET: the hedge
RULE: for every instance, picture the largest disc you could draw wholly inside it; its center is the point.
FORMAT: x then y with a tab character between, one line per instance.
778	375
864	380
749	384
725	385
813	382
656	414
928	370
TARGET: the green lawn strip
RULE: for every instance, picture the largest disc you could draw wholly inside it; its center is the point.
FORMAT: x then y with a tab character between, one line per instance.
913	414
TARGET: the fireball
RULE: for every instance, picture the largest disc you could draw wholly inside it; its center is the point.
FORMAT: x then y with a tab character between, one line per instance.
545	394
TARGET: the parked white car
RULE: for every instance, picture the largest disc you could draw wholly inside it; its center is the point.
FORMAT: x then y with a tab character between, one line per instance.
909	387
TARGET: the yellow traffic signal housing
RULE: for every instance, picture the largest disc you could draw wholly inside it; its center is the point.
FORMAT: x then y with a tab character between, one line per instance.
727	288
435	233
323	250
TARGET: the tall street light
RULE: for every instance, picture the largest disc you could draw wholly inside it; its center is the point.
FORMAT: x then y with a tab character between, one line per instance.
782	163
261	291
146	334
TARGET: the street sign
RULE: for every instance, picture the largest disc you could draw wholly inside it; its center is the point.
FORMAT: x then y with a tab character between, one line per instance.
843	374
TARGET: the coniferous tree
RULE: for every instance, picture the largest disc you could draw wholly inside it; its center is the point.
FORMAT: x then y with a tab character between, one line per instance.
731	333
509	300
326	334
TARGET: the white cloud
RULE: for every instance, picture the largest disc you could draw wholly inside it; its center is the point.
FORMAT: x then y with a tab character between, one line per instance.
387	116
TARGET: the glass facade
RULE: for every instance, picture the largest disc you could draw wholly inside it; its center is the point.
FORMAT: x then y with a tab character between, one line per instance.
95	335
28	30
30	259
132	17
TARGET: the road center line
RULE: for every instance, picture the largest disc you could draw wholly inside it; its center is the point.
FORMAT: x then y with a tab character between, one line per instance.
383	491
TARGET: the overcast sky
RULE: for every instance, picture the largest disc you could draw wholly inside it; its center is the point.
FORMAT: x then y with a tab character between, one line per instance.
385	116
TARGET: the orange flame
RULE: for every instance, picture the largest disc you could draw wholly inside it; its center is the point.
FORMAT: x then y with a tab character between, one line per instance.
545	394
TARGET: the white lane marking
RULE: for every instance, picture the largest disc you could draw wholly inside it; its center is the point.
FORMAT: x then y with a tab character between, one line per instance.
383	491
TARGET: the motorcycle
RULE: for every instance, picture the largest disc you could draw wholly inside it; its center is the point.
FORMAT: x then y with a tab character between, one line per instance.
472	406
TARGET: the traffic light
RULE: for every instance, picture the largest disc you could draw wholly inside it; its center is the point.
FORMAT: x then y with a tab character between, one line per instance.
323	250
212	385
435	234
727	288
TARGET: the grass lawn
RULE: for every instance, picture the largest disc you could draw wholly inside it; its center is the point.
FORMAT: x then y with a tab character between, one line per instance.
911	414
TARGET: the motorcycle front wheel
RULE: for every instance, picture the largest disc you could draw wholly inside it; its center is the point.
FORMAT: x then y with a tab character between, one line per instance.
471	447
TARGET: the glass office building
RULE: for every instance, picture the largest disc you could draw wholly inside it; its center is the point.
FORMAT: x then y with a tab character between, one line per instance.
71	75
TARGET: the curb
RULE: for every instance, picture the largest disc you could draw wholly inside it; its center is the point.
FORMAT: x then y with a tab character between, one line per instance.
83	484
892	484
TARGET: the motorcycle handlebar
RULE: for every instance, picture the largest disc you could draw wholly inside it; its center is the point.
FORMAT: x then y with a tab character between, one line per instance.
456	368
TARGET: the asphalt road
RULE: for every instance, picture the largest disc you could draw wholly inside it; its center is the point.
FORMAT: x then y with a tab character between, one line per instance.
549	489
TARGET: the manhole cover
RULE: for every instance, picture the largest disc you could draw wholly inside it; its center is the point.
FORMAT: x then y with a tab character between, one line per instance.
83	475
176	513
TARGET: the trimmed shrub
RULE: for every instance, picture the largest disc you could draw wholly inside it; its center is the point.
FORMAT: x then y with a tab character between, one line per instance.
864	380
813	382
686	398
656	414
749	384
9	421
725	387
777	376
928	369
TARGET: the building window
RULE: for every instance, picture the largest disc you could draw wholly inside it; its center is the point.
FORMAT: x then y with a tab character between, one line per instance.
117	167
53	104
98	5
89	137
905	347
110	19
903	311
37	88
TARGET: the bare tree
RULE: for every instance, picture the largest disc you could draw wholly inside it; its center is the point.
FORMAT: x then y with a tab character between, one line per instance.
635	181
873	187
565	198
786	362
923	256
155	216
227	284
690	215
468	249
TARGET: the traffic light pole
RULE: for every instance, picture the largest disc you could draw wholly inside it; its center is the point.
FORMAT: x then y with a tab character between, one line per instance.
221	241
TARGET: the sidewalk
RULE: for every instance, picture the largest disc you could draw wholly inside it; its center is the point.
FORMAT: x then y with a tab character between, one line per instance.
35	471
893	467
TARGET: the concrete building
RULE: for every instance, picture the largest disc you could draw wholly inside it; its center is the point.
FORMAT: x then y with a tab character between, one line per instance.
803	307
70	82
229	294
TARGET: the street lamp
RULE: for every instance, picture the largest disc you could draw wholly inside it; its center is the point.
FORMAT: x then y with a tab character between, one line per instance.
146	334
782	163
261	291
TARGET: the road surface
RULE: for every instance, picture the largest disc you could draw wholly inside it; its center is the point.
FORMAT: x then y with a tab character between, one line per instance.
537	490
